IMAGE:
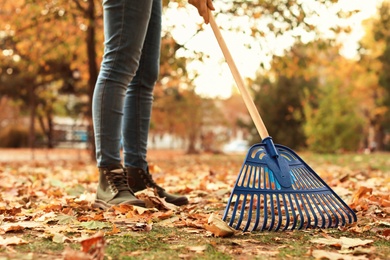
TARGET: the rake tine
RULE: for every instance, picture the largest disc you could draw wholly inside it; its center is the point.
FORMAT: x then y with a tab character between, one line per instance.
257	213
301	215
277	186
306	180
235	211
242	183
245	198
330	211
279	213
300	180
265	210
298	197
226	212
313	182
272	207
249	215
292	212
310	210
318	198
257	173
331	202
302	196
287	214
306	183
334	210
315	215
347	212
242	212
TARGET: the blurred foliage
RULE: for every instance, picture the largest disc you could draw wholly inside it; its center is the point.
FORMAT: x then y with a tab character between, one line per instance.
50	52
16	136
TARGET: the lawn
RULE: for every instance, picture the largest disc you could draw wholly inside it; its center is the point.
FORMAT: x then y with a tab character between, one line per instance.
45	210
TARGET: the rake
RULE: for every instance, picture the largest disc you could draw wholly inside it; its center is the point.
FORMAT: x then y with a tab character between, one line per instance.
275	188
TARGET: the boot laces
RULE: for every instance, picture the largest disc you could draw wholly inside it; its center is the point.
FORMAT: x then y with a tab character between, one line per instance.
118	180
149	180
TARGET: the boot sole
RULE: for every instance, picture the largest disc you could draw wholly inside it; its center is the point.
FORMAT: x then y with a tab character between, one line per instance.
104	205
178	202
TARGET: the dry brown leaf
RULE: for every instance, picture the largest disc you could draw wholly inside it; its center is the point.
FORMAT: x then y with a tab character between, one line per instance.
197	249
323	254
115	230
19	226
218	227
70	254
94	246
343	242
154	201
142	227
11	241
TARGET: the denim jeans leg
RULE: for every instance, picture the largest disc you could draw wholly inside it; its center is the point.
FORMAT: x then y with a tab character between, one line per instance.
125	27
139	95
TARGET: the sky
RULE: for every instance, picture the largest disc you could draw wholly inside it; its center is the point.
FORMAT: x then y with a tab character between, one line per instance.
215	79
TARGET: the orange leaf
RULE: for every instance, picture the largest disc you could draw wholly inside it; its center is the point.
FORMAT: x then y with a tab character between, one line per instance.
94	246
362	191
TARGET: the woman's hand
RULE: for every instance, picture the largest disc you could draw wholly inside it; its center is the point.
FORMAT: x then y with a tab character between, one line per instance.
203	7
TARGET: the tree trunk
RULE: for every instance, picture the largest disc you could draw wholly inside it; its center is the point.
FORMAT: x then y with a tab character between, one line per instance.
93	71
380	138
32	105
191	146
47	130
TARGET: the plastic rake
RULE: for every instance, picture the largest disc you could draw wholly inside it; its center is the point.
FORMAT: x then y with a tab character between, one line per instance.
276	189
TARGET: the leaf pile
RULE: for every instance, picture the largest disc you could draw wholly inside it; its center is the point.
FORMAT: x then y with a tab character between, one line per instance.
50	199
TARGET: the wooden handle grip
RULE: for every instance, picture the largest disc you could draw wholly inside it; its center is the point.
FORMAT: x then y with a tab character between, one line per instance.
250	105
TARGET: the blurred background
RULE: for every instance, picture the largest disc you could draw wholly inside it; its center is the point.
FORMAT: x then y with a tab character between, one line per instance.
318	71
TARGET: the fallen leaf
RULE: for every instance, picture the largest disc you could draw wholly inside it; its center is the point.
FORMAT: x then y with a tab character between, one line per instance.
67	219
18	226
343	242
94	225
323	254
142	227
60	238
71	254
115	230
11	241
218	227
197	249
92	249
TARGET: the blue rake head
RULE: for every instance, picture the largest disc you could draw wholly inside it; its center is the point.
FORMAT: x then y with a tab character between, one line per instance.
277	190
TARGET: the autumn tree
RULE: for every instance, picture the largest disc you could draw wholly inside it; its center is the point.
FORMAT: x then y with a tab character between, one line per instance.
279	94
335	122
36	62
51	53
374	80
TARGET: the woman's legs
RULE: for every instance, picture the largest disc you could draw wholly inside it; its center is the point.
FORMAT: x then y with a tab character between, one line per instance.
137	113
139	95
125	26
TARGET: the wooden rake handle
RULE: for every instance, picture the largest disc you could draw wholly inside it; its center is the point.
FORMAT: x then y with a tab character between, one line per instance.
250	105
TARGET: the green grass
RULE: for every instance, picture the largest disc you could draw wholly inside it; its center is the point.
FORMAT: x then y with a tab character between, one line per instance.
374	161
181	243
176	243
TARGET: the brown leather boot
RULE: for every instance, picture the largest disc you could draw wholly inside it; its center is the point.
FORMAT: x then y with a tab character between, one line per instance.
138	179
113	189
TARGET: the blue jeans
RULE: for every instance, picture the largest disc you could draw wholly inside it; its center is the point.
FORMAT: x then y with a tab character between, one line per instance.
123	96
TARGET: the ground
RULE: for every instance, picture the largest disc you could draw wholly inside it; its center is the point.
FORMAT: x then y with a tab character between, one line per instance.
45	210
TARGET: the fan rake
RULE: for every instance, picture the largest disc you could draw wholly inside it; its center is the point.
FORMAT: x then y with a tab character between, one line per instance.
276	189
262	200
